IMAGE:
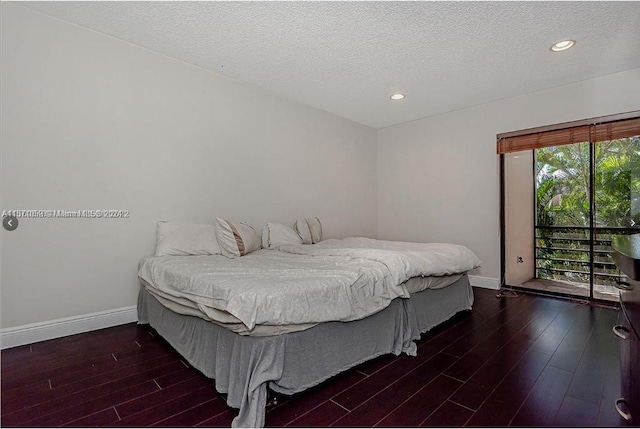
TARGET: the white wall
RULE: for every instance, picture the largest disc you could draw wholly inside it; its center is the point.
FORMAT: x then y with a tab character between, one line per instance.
439	177
91	122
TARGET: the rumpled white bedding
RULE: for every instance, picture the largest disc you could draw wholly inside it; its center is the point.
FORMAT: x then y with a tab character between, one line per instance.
276	288
403	259
188	308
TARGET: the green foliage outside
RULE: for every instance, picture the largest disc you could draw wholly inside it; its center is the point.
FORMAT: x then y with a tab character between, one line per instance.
562	200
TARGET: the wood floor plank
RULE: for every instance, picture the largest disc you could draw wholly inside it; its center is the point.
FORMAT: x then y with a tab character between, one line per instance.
608	416
612	386
503	403
101	418
422	404
473	340
547	394
163	396
222	420
195	415
449	324
13	394
92	386
468	364
365	389
59	417
576	412
590	375
466	324
304	402
394	394
470	338
162	411
323	416
88	379
549	341
64	369
46	369
569	352
448	415
15	355
74	398
480	385
179	376
78	342
377	364
128	364
75	347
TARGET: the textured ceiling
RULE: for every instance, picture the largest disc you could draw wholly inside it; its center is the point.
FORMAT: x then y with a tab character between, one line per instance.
348	57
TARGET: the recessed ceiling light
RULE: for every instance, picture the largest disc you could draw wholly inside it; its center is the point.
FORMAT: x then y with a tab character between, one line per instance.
562	46
397	96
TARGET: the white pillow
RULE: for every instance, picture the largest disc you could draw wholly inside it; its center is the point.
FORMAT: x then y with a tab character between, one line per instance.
181	239
236	239
274	234
309	229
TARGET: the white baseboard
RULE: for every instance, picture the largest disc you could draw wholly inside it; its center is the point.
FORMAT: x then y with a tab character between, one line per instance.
485	282
34	332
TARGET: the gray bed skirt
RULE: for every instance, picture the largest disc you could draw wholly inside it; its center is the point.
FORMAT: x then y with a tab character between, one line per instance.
433	306
243	367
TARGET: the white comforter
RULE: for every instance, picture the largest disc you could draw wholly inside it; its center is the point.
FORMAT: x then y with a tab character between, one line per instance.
403	259
276	288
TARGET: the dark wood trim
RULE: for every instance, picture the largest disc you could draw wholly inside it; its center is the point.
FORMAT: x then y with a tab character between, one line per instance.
502	224
592	209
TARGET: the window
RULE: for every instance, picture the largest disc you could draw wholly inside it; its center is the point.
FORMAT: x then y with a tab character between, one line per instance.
565	192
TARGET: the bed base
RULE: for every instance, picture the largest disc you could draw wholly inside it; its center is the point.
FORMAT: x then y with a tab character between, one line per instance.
245	368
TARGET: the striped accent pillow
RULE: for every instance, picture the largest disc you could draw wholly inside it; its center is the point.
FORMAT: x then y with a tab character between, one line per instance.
236	239
309	229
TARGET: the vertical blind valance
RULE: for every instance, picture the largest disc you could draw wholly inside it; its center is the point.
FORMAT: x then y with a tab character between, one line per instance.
583	133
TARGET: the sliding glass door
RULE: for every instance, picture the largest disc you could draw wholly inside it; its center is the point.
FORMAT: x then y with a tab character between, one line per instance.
585	188
616	205
563	217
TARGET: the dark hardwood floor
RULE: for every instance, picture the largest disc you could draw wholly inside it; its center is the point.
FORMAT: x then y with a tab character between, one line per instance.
516	361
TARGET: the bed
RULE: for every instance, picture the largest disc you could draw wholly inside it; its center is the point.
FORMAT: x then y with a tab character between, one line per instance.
419	266
256	330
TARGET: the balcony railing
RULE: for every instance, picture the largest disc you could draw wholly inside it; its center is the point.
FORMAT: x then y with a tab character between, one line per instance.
564	254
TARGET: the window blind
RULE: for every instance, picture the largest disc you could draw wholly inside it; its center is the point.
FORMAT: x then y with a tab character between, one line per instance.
597	131
543	139
616	130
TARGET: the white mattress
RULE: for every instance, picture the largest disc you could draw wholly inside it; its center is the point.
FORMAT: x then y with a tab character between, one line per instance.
189	308
404	260
274	288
